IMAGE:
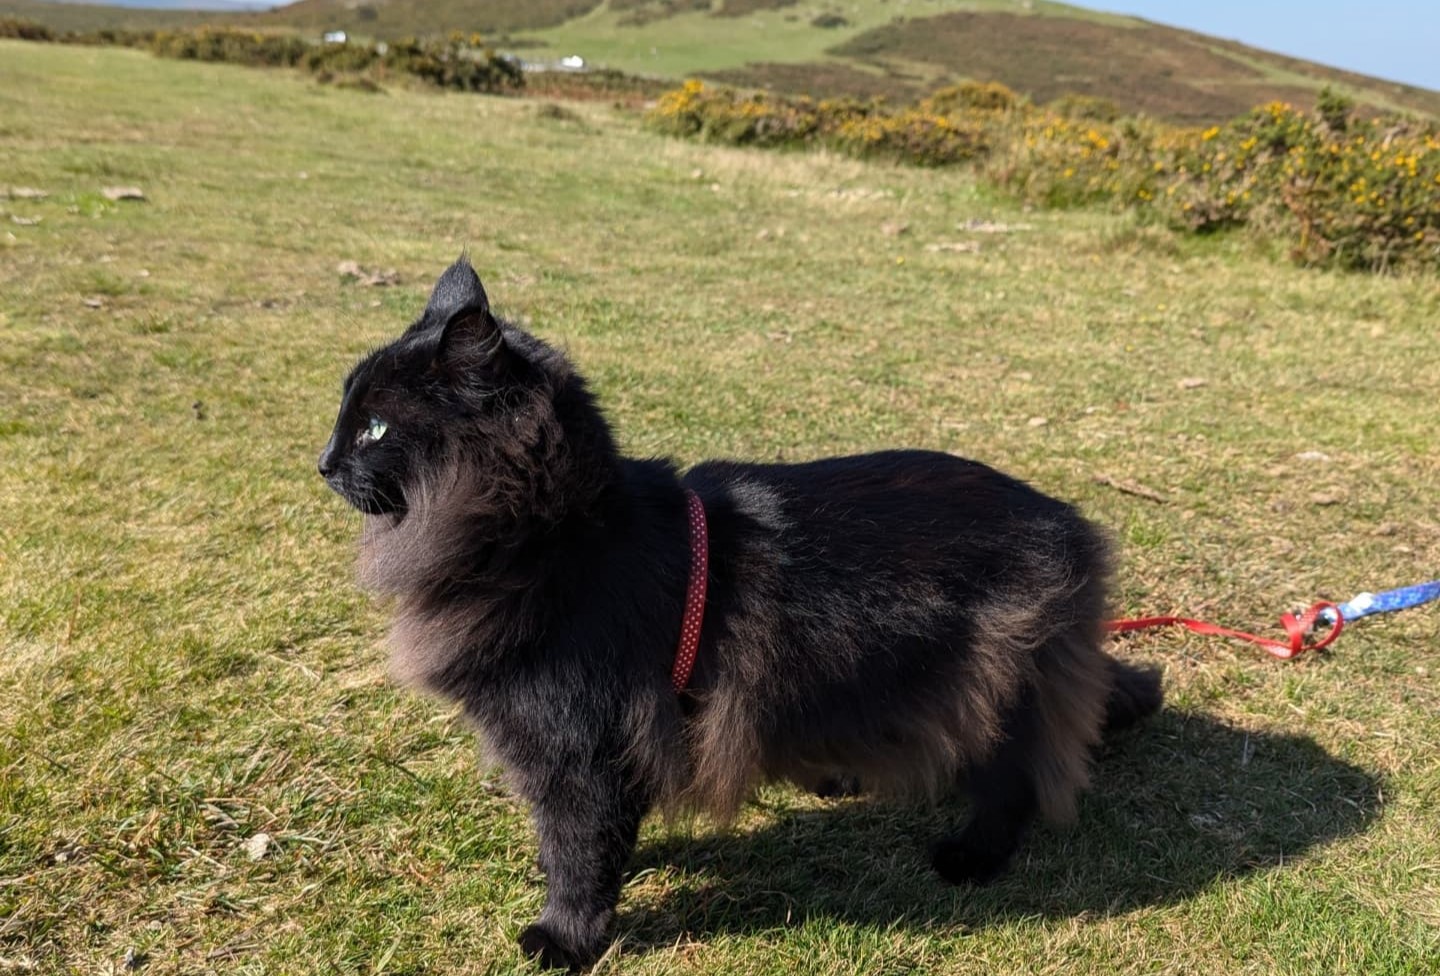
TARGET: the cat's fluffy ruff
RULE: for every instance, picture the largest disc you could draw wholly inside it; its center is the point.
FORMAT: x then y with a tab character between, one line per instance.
909	618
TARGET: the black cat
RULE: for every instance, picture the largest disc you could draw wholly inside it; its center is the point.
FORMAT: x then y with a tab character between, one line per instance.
908	620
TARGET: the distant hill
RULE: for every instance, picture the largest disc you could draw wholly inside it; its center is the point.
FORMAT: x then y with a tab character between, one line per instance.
893	48
1162	71
87	17
227	6
396	18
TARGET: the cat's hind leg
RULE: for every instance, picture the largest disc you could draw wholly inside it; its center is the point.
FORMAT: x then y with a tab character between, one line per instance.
1004	804
1042	760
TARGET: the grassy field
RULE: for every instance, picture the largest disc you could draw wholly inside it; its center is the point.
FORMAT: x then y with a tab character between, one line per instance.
188	664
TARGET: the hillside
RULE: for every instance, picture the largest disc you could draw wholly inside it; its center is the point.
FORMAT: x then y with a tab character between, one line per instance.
863	48
396	18
1140	66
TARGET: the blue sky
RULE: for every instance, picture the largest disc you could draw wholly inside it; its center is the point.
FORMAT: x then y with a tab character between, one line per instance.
1389	39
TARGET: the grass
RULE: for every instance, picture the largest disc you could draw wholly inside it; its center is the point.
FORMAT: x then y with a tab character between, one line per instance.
189	663
693	42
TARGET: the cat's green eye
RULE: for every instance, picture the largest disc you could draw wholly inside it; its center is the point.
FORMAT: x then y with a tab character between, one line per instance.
376	429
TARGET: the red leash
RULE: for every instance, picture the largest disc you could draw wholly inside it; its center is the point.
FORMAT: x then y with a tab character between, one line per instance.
694	594
1296	628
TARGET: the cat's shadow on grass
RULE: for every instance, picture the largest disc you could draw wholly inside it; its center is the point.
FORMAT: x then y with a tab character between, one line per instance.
1175	806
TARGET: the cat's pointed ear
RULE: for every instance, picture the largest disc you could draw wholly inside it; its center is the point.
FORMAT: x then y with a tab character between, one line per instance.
457	290
470	337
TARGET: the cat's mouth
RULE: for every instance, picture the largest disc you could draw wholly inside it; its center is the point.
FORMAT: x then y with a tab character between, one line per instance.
372	502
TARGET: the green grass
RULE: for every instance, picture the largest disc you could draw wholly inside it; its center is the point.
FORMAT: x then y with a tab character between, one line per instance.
188	663
697	42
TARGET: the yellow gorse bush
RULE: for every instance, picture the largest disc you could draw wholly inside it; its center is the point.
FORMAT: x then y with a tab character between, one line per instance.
1361	193
921	134
229	44
1343	191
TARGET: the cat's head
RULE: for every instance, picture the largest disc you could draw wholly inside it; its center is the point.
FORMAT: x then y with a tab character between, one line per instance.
458	387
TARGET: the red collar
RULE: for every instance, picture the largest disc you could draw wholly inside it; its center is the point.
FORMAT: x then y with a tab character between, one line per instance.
694	594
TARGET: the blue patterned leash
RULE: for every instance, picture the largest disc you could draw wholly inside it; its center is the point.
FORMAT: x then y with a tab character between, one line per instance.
1403	598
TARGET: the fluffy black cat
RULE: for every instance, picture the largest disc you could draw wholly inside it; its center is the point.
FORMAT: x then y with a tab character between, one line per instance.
908	620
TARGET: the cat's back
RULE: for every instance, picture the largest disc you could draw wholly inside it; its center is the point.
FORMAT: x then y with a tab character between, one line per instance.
862	496
919	538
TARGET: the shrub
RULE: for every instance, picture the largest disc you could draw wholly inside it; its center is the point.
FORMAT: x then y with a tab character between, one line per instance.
1334	109
918	134
1054	161
1362	195
112	37
1088	108
459	61
1357	193
330	60
230	44
986	96
24	30
723	115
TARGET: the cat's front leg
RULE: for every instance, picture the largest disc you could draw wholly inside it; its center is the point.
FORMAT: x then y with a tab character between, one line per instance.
587	826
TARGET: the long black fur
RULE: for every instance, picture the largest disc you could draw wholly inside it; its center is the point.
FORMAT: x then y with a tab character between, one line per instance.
905	622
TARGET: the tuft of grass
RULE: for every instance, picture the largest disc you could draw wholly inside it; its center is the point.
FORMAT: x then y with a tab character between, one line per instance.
555	112
189	664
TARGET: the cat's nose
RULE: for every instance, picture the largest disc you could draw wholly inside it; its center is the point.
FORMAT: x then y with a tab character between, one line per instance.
326	464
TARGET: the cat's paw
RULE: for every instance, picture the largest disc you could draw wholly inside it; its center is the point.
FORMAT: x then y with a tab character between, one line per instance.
540	944
962	861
